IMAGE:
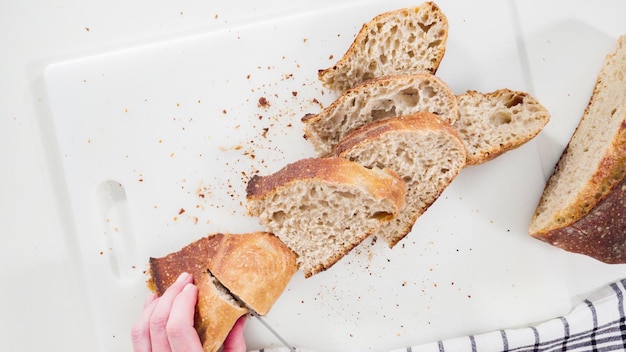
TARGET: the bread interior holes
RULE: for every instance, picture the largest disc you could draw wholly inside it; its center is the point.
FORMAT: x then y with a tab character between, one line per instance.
513	101
278	216
371	67
434	44
383	59
425	27
383	113
501	118
410	96
347	195
382	215
427	89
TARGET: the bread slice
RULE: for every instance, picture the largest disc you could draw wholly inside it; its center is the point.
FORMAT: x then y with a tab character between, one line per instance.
405	41
377	99
493	123
583	208
424	150
255	268
322	207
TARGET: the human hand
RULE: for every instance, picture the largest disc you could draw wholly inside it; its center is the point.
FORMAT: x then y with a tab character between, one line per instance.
166	322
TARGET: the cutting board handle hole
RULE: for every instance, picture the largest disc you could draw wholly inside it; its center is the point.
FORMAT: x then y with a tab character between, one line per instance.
117	233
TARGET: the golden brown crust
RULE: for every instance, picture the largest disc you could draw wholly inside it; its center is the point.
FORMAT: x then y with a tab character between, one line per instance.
417	121
255	267
332	170
191	259
600	233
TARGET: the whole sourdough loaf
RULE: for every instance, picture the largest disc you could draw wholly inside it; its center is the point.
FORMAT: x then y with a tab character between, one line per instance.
322	207
582	208
376	99
400	42
493	123
254	268
424	150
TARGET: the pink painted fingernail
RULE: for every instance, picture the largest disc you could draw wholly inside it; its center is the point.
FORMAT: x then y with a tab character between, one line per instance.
182	277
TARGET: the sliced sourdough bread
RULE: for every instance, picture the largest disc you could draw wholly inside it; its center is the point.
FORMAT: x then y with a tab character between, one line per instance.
253	268
491	124
583	208
424	150
376	99
322	207
400	42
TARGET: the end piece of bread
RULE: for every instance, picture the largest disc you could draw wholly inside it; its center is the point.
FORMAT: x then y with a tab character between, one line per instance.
493	123
255	267
376	99
227	268
322	207
424	150
216	312
582	208
405	41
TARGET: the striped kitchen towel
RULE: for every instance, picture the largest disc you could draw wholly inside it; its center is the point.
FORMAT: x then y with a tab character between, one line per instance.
596	324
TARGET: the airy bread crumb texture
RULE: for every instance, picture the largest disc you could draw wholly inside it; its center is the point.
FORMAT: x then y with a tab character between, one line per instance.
595	158
493	123
322	221
377	99
422	149
405	41
323	207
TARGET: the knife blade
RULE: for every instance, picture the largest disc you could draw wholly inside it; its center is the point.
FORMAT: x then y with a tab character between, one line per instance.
251	310
271	330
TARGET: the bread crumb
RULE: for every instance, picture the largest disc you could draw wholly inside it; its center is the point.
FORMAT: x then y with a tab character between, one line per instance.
263	102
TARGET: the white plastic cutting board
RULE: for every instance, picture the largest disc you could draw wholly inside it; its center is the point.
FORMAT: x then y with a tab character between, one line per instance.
158	141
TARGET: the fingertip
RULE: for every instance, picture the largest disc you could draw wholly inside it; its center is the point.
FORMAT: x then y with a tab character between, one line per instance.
189	287
242	320
149	299
184	276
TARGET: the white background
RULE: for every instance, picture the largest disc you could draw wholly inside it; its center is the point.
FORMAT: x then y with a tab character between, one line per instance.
44	301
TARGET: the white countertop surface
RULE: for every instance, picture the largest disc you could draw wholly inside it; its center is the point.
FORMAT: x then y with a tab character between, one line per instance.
45	302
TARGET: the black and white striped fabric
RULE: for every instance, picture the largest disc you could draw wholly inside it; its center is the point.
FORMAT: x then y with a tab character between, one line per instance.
596	324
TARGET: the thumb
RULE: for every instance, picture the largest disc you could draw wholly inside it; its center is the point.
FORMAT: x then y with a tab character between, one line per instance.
235	341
